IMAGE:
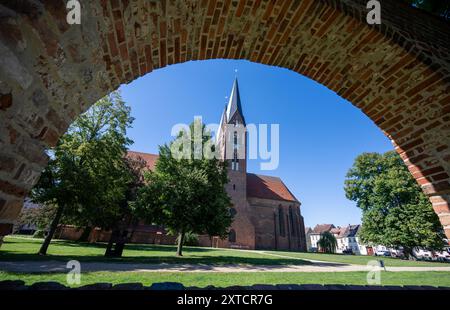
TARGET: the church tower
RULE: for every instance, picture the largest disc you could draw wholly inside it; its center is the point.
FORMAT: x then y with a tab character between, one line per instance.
232	136
232	143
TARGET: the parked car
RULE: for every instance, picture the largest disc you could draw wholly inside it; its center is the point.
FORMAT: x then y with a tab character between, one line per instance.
382	253
347	251
443	256
423	254
397	253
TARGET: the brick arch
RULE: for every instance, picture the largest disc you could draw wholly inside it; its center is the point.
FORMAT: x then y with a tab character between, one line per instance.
397	73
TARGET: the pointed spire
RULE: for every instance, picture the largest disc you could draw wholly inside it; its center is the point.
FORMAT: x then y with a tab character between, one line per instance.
234	104
223	120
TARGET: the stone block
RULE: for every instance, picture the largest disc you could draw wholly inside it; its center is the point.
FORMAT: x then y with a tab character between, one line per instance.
171	286
48	286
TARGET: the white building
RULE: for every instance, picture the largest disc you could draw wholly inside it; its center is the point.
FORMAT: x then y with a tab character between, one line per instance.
347	239
362	248
308	232
313	236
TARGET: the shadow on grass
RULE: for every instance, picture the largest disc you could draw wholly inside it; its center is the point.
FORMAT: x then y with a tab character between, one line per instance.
136	253
188	259
102	245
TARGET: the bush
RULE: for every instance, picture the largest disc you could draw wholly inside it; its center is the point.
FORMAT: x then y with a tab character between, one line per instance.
39	234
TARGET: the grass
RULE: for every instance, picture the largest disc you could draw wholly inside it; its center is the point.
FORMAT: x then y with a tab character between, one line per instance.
25	248
203	279
359	259
21	249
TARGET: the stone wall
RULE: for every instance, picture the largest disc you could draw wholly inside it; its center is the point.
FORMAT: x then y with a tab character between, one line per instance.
44	286
69	232
397	73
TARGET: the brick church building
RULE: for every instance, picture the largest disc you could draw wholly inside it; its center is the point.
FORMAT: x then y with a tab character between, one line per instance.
266	214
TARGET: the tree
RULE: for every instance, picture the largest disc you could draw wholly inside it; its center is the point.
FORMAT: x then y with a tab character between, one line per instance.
327	242
86	176
125	218
186	194
395	212
437	7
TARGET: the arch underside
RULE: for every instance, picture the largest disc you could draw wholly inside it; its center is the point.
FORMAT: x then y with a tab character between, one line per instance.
397	73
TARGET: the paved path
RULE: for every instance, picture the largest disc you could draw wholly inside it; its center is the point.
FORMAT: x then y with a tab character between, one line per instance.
58	266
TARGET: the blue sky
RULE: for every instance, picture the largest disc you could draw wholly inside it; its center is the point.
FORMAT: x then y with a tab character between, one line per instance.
320	133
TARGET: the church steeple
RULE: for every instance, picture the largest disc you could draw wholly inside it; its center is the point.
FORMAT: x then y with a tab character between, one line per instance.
231	138
234	104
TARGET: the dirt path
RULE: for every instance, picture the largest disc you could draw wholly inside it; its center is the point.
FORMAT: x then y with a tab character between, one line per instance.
58	266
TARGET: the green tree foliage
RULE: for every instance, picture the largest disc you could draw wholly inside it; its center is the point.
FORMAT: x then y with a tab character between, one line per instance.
437	7
327	242
39	216
186	195
86	176
395	212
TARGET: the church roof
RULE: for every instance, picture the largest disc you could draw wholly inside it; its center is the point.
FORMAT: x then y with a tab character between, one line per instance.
268	187
234	103
233	107
150	159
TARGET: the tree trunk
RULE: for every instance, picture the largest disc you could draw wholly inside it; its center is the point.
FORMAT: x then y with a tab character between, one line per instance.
180	244
116	243
51	232
85	235
120	245
409	253
112	239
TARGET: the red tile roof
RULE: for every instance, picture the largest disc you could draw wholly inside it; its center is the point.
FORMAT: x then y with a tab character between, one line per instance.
320	228
336	230
268	187
259	186
150	159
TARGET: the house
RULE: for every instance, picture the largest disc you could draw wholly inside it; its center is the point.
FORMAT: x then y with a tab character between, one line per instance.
315	234
308	232
347	239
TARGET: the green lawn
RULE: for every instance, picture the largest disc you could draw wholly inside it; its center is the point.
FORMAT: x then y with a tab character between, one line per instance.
20	248
25	248
359	259
203	279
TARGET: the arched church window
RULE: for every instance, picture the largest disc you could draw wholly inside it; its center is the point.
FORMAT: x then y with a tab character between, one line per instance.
281	222
291	218
232	236
235	162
